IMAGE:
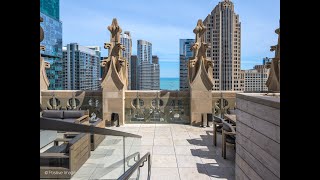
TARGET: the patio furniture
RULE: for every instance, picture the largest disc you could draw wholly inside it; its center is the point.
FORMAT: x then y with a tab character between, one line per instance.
95	139
231	118
217	126
63	161
73	116
228	136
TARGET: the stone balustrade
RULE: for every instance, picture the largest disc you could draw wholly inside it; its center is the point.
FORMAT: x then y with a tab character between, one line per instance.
140	106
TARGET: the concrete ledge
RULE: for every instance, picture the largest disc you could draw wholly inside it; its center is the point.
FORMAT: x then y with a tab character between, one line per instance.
271	101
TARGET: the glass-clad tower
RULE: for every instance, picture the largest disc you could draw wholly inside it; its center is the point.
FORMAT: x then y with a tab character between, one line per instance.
185	54
126	41
52	27
144	57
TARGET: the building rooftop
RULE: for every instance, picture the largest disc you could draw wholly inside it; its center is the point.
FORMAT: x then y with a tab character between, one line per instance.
178	152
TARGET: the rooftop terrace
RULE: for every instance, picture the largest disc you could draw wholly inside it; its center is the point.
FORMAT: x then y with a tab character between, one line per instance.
178	152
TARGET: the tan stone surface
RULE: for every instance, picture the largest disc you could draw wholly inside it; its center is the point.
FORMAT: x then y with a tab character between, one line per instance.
115	77
273	81
200	77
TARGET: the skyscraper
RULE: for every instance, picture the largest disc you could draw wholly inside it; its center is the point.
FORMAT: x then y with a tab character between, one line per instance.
134	72
81	67
52	28
255	79
147	72
144	57
224	35
155	73
126	41
185	54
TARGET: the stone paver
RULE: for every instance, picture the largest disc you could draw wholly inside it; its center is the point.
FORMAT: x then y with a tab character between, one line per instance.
179	152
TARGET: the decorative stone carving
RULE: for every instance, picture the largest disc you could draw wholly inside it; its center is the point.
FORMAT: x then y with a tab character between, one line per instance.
115	75
199	65
200	77
273	81
115	66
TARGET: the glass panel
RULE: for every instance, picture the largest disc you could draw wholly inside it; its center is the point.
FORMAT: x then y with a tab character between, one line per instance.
109	157
64	154
71	154
134	153
157	107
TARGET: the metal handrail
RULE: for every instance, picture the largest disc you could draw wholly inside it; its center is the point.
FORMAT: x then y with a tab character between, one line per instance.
140	163
60	125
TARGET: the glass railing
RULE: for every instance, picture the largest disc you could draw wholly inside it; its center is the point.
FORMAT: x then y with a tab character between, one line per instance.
86	151
157	107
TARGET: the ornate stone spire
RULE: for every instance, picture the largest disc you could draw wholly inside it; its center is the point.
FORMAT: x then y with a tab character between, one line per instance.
200	67
115	65
200	77
273	81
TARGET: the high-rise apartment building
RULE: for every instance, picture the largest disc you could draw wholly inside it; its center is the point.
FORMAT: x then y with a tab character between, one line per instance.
185	54
134	72
224	35
52	28
155	73
126	41
147	72
81	67
255	79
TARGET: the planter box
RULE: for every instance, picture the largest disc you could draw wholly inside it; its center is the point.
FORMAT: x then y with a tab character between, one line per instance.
258	136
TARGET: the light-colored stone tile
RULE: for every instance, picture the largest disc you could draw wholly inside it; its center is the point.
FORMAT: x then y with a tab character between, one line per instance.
172	147
84	172
205	151
188	161
164	161
217	161
165	174
181	142
146	134
145	141
163	125
107	173
132	125
220	172
163	150
147	125
198	173
163	142
162	136
184	150
147	129
142	149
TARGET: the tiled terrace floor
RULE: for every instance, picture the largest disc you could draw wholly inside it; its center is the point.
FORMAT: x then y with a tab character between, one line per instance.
179	152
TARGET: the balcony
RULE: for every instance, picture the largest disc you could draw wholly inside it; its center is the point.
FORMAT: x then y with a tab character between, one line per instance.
162	119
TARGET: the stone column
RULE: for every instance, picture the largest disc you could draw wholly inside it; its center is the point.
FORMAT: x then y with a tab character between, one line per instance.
200	78
115	77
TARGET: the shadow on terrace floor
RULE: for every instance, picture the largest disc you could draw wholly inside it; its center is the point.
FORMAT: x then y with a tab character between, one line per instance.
211	156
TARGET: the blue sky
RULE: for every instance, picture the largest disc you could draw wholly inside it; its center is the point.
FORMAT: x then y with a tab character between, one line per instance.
164	22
